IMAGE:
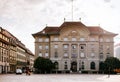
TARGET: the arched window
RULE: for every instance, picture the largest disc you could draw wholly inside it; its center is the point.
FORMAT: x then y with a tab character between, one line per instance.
92	65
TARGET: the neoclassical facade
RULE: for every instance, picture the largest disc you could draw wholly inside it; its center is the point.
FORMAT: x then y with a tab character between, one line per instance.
74	46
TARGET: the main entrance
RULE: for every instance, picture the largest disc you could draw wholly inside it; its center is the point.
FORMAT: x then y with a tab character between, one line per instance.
74	66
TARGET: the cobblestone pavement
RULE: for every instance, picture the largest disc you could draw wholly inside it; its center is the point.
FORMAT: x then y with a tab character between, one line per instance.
59	78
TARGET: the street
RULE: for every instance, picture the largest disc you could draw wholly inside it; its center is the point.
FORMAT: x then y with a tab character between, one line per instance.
59	78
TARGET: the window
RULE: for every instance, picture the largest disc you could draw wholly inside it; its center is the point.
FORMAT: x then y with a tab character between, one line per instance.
65	54
46	54
40	54
81	47
82	39
56	39
46	47
65	46
40	47
74	55
55	46
73	39
46	40
40	39
82	54
65	39
92	54
74	46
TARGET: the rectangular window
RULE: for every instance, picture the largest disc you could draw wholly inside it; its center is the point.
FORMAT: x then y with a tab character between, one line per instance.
82	54
65	46
74	46
46	40
74	39
82	39
92	54
56	39
46	54
55	46
65	54
40	47
40	40
65	39
40	54
74	55
46	47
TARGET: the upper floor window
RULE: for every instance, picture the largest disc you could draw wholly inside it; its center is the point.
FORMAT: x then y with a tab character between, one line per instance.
46	54
40	47
65	39
40	39
92	54
55	39
82	54
74	46
65	46
40	54
74	39
65	54
46	47
46	40
82	39
55	46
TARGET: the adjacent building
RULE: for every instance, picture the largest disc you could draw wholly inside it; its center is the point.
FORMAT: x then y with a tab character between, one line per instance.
13	53
74	46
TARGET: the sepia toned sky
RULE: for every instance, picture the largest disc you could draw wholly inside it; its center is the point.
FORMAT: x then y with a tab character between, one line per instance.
25	17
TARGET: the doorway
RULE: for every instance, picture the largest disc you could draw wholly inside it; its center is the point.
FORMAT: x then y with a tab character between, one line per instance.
74	66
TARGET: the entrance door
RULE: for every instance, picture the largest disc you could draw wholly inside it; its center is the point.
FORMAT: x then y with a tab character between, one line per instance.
74	66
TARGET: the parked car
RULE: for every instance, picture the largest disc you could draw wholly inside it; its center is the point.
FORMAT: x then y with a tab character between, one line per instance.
18	71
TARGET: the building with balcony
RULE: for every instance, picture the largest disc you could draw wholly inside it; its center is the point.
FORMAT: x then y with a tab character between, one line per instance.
74	46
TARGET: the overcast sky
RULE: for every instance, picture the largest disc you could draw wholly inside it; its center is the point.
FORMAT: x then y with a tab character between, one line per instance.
25	17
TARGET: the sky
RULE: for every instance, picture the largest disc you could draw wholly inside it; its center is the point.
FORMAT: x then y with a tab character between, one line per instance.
23	18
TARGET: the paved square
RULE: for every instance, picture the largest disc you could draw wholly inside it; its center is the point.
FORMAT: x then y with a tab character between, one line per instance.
59	78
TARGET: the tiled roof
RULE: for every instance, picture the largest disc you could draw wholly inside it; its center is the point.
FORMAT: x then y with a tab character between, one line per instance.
56	30
98	30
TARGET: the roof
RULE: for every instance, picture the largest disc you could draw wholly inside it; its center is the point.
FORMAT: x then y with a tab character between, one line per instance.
56	30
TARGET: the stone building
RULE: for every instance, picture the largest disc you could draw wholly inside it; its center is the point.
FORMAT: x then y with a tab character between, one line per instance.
13	53
74	46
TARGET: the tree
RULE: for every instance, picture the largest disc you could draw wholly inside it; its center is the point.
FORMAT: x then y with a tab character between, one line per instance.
43	65
111	63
